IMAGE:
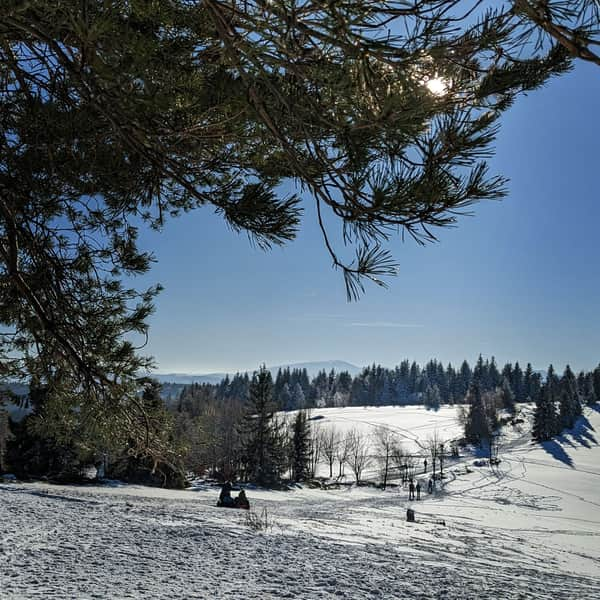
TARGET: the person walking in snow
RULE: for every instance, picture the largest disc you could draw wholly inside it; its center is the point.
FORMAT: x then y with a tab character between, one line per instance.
418	490
411	490
430	486
425	465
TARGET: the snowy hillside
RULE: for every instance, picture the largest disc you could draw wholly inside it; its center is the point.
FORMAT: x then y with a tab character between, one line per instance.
412	424
527	529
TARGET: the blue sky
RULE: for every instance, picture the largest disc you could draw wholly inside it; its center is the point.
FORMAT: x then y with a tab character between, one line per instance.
518	280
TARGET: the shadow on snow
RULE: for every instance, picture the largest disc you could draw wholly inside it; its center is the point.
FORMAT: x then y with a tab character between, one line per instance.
580	435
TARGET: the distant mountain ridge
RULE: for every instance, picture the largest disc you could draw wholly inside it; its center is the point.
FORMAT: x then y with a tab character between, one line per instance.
312	369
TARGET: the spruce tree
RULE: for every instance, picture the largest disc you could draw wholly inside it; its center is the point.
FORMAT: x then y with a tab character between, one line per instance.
300	446
480	373
545	417
552	391
495	379
589	393
463	381
517	383
508	398
298	399
477	427
596	383
529	394
260	433
286	400
570	404
432	398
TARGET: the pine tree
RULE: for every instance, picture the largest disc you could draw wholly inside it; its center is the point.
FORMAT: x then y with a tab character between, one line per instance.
5	436
153	109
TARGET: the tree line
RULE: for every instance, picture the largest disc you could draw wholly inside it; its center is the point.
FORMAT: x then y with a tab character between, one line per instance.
214	420
258	443
408	383
259	429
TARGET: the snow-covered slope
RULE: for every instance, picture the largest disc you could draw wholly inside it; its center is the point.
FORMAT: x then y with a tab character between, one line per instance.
528	529
413	425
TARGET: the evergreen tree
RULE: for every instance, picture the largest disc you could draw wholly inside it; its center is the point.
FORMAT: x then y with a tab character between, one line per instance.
495	379
298	399
535	387
581	384
413	378
5	436
286	400
261	435
507	373
432	398
517	383
300	446
477	426
480	373
589	393
545	418
450	385
142	465
551	377
529	395
508	398
463	381
570	404
596	383
153	109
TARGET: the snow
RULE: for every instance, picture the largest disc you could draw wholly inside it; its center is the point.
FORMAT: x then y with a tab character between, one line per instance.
528	528
412	424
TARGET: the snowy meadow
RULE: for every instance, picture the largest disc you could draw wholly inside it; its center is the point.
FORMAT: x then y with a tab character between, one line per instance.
528	527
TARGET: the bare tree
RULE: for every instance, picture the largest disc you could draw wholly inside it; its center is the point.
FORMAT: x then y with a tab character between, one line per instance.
358	453
410	464
316	445
433	446
385	441
399	461
329	445
341	454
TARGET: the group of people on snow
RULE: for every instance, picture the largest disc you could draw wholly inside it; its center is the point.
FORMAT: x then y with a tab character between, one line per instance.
225	499
241	501
412	488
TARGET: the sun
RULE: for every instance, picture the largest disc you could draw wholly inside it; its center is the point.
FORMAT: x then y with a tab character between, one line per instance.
437	86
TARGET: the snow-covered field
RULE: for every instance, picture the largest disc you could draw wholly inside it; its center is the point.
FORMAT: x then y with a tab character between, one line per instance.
413	425
529	528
